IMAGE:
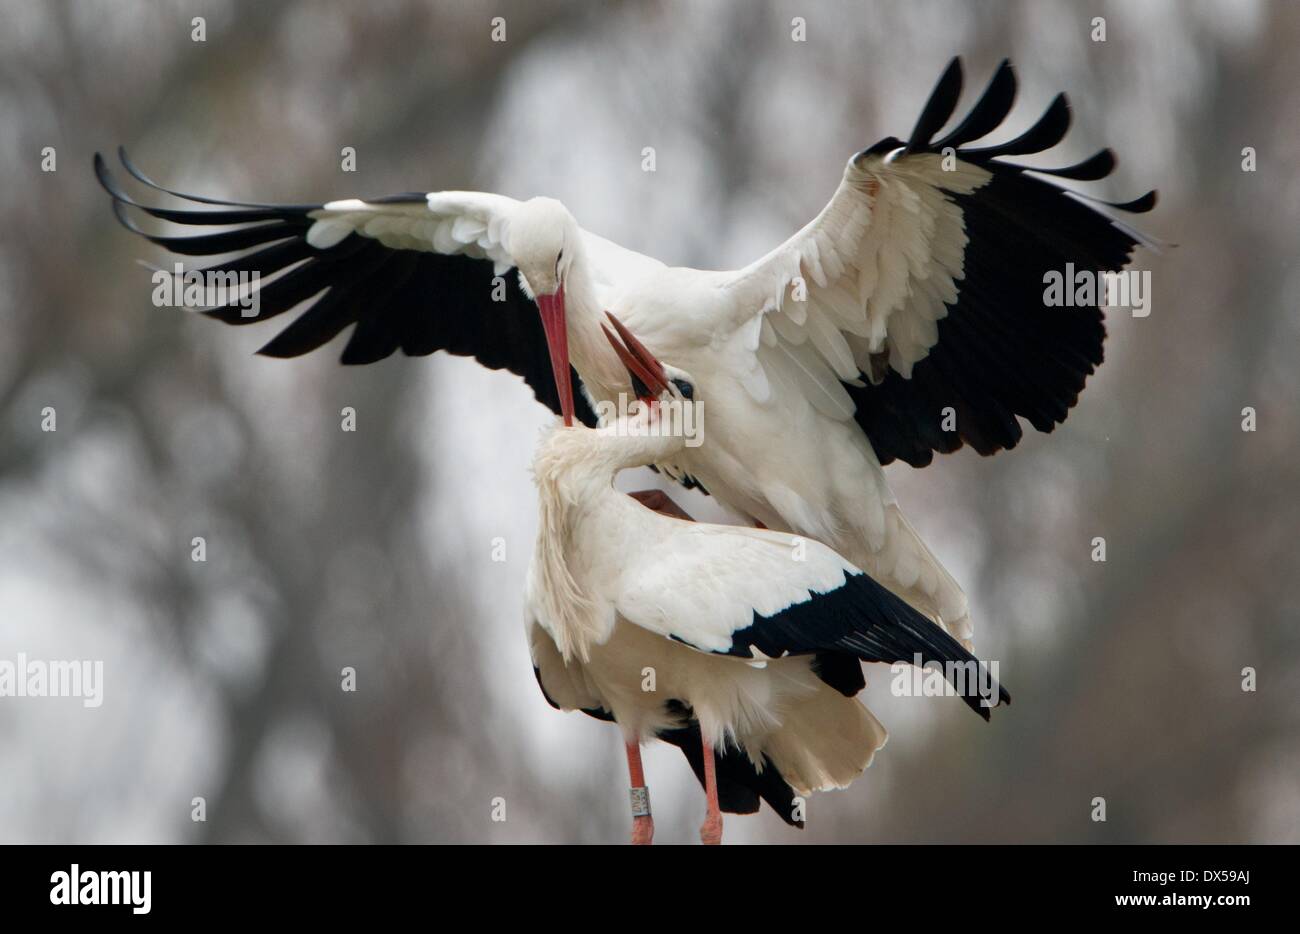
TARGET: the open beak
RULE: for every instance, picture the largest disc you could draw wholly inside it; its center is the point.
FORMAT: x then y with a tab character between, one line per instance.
551	308
648	378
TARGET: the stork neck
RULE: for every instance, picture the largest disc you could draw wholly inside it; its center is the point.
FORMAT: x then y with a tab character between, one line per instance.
579	527
569	483
581	463
588	349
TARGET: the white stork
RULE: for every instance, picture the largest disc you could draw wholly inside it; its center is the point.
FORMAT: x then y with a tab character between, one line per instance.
916	290
753	637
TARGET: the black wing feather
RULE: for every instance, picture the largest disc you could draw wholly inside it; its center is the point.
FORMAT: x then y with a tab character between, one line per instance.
942	102
1046	133
864	620
989	111
1095	167
149	182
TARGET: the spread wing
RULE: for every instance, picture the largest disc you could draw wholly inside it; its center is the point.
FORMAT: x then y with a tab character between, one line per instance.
414	272
921	285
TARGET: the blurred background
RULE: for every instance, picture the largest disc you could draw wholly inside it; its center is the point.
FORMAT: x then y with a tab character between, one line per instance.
372	549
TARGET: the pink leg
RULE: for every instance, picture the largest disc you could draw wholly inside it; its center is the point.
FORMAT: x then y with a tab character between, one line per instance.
711	830
643	825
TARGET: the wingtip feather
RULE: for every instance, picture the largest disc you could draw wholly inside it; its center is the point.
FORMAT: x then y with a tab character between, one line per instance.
939	108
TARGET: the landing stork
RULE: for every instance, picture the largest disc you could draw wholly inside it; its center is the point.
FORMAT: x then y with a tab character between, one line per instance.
906	318
753	637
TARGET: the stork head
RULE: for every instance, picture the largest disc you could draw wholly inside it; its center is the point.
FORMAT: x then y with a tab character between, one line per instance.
544	238
670	415
652	381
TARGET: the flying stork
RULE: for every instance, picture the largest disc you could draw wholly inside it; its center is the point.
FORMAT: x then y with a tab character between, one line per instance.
752	637
906	318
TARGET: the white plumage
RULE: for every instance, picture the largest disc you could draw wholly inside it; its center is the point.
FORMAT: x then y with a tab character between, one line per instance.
726	622
771	364
906	318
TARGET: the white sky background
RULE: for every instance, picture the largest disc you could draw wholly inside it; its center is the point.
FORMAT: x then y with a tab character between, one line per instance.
573	116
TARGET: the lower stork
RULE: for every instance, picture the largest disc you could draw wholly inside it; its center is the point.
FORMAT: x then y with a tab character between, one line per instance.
745	641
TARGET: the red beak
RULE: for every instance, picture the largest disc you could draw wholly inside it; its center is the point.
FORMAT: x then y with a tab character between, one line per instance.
640	363
551	308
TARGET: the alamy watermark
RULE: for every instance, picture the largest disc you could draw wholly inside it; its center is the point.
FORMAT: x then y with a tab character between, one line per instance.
77	886
669	418
211	288
24	677
1086	288
949	679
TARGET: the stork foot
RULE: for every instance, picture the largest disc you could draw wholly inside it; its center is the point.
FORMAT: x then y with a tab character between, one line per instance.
643	831
711	830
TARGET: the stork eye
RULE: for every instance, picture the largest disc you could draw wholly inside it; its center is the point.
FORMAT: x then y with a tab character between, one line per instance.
558	256
685	388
